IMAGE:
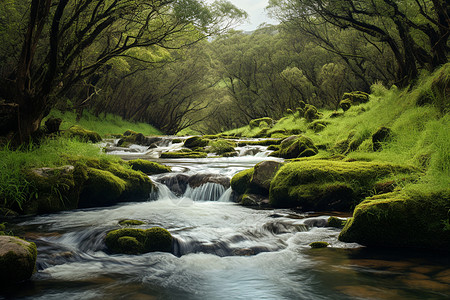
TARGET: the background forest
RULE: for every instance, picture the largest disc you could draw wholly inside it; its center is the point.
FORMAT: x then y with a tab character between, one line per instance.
176	65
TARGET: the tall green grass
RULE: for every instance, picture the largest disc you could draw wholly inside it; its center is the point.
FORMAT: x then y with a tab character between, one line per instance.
14	188
104	125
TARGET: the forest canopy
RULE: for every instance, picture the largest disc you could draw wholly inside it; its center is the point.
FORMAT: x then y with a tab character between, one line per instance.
177	64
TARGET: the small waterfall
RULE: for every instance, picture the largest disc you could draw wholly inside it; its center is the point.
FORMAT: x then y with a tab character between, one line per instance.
226	196
206	192
162	192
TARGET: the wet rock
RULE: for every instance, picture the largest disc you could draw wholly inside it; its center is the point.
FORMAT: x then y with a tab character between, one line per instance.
138	241
319	245
200	179
176	183
138	139
17	259
254	200
263	174
316	222
195	142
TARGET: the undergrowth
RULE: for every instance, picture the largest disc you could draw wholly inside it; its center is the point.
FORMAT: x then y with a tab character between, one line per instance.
104	124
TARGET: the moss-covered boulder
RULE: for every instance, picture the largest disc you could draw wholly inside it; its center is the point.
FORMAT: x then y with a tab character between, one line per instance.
318	125
325	185
296	146
311	113
240	181
148	167
54	189
221	147
17	259
83	134
128	222
353	98
401	219
317	245
336	222
131	137
257	122
195	142
109	182
263	174
138	241
184	154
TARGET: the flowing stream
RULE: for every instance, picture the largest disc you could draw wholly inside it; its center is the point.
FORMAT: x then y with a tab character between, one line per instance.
221	250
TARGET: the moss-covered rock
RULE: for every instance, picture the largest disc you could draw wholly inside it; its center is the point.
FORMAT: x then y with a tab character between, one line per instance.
148	167
328	185
128	222
131	137
401	219
345	104
336	222
265	142
195	142
263	174
296	146
54	189
318	125
311	113
221	147
83	134
317	245
241	180
17	259
138	241
109	182
257	122
184	154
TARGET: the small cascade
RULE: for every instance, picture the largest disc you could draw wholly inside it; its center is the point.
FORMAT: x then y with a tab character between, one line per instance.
206	192
162	192
226	196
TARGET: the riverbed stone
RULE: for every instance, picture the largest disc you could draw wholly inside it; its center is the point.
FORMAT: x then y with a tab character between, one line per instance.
201	179
138	241
17	259
401	219
195	142
240	181
263	174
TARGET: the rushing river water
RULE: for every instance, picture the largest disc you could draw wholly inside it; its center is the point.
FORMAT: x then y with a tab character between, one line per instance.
221	250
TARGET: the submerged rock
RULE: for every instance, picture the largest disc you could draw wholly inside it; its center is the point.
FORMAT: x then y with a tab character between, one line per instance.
401	219
138	241
17	259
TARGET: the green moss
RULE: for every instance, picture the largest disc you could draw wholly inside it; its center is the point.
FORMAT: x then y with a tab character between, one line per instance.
274	147
327	184
182	154
241	180
195	142
230	154
148	167
311	113
102	188
345	104
336	222
317	245
296	146
257	122
127	222
221	146
137	241
83	134
400	219
16	267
